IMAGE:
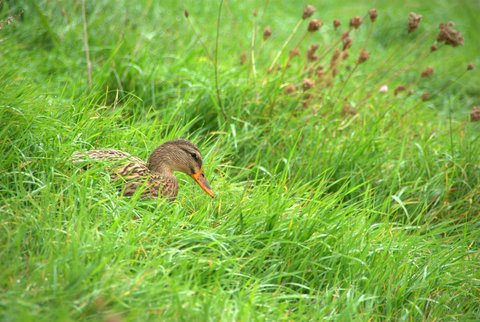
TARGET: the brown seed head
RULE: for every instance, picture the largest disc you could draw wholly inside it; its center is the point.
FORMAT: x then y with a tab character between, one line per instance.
427	71
355	22
186	13
294	52
319	71
311	52
399	89
373	13
314	25
364	56
470	67
345	55
308	11
425	96
267	32
475	114
413	21
335	56
307	84
289	89
336	23
433	48
449	35
347	43
243	58
345	34
254	13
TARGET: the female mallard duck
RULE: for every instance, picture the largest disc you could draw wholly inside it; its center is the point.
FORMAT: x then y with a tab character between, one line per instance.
176	155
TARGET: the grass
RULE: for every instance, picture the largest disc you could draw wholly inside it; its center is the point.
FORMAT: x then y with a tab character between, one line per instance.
372	214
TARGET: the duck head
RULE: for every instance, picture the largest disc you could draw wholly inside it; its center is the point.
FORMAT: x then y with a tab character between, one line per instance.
179	155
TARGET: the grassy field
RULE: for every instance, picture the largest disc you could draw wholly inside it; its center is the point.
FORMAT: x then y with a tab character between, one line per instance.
334	200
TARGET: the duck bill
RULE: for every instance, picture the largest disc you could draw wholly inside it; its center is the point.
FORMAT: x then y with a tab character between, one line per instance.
199	177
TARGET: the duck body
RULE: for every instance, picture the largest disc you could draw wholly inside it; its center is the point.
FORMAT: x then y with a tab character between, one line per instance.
154	176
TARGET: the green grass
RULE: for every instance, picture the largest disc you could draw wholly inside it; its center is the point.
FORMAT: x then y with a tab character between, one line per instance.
316	215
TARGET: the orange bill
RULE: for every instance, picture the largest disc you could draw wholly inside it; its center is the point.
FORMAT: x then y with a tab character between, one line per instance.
199	177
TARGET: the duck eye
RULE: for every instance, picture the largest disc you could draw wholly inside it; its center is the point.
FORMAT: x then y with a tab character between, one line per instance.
194	156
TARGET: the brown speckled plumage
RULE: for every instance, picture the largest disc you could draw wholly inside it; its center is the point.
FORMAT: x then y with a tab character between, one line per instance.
176	155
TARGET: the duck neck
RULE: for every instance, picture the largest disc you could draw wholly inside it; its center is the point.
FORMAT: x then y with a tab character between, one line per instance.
160	168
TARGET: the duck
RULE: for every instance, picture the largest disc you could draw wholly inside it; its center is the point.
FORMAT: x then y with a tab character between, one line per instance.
156	175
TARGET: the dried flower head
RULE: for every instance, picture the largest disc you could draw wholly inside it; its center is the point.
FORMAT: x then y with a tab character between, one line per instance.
345	55
345	34
425	96
311	53
364	56
254	13
294	52
449	35
319	71
336	23
475	114
427	71
314	25
243	58
373	13
356	22
347	43
289	89
307	84
470	67
186	13
335	56
413	21
308	11
399	89
433	48
267	32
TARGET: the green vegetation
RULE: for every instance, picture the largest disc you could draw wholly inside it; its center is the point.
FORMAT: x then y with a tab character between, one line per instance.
322	211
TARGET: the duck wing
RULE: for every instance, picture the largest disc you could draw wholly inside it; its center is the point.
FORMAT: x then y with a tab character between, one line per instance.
130	170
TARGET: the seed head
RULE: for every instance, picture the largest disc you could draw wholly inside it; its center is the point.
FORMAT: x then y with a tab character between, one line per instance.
355	22
308	11
425	96
470	67
399	89
449	35
186	13
243	58
289	89
319	71
314	25
335	56
267	32
254	13
364	56
433	48
373	13
336	23
413	21
347	43
427	71
311	53
307	84
475	114
345	55
294	52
